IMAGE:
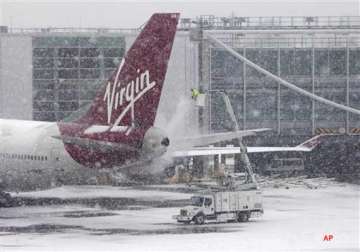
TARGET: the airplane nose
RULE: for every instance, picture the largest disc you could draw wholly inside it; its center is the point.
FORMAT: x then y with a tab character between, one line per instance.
165	142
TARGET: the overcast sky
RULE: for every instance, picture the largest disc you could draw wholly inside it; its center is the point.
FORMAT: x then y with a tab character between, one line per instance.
132	14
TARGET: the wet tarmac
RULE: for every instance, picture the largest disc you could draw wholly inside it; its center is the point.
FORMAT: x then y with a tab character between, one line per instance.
100	218
48	209
104	202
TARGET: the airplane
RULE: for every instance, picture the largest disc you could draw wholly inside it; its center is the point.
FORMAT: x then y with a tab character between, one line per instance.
115	131
306	146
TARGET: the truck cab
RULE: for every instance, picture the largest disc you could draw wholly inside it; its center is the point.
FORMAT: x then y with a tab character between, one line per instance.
201	206
205	203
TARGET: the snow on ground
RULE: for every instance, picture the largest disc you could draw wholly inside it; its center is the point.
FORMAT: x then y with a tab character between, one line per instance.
295	219
70	192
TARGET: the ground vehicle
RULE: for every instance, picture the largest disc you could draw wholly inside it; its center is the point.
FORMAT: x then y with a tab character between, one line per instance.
222	206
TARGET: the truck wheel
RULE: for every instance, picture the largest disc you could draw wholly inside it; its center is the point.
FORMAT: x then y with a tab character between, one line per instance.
243	217
199	219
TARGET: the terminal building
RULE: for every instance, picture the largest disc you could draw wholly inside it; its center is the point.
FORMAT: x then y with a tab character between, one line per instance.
46	74
320	55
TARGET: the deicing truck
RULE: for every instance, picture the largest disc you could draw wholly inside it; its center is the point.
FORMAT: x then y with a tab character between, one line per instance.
222	206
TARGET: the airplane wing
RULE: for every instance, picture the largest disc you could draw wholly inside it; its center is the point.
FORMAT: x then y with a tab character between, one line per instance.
216	137
307	146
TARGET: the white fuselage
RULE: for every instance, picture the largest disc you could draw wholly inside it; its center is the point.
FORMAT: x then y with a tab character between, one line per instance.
31	158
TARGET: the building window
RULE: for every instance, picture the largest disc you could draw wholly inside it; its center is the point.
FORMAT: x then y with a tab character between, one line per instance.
354	61
337	60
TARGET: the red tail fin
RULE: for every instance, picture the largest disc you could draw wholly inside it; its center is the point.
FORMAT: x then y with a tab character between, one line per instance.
131	96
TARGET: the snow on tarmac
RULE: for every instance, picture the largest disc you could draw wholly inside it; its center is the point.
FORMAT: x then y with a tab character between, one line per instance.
295	219
69	192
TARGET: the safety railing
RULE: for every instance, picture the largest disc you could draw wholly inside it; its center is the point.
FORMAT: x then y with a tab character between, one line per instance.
300	40
253	23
